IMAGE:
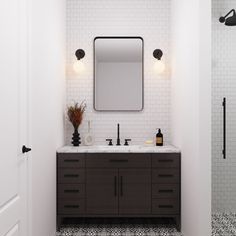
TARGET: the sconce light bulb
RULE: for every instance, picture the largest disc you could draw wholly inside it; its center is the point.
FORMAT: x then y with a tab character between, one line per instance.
78	66
159	66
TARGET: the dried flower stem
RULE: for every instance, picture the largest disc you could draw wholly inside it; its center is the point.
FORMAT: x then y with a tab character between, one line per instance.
75	114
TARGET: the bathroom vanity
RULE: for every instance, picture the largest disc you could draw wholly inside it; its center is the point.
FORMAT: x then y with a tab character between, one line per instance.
130	181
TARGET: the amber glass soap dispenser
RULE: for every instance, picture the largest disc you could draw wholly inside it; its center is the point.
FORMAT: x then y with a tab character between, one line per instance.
159	138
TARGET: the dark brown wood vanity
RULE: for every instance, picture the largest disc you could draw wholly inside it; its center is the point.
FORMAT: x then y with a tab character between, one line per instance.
118	185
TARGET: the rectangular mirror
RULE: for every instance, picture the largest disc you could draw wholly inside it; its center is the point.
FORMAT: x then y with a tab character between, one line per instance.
118	73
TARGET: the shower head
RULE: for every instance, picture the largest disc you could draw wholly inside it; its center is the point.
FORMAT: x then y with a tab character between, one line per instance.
230	21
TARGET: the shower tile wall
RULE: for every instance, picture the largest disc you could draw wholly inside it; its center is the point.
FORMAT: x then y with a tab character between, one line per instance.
223	85
149	19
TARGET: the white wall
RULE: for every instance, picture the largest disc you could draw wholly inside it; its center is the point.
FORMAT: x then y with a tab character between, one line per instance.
191	109
223	85
47	62
149	19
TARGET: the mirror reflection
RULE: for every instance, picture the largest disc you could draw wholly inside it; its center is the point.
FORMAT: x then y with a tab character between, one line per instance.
118	74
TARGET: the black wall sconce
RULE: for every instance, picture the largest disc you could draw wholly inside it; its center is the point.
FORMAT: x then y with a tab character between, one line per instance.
157	53
230	21
78	66
159	65
80	53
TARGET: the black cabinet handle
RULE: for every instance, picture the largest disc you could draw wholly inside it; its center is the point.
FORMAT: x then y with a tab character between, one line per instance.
71	206
224	128
71	160
25	149
166	206
166	160
115	186
118	160
71	176
166	191
165	176
121	186
71	191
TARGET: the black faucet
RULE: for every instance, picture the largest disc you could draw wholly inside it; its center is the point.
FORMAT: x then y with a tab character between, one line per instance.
118	135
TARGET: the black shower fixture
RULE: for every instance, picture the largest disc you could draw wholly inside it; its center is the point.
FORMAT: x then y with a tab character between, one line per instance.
157	53
230	21
79	54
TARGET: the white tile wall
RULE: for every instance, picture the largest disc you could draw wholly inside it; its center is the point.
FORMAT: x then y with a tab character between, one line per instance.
223	85
149	19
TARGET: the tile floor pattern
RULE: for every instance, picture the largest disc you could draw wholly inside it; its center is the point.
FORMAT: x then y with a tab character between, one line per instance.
224	224
142	227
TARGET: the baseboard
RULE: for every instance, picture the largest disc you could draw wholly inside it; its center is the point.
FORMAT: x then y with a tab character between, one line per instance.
54	234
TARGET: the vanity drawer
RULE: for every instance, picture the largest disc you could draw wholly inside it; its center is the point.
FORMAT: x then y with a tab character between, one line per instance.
71	160
165	191
71	207
165	176
165	206
118	160
71	176
71	190
166	160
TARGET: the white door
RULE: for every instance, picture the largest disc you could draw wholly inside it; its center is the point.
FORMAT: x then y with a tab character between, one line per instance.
13	118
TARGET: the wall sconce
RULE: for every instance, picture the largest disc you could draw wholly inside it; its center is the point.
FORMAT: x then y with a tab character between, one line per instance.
78	66
229	21
159	65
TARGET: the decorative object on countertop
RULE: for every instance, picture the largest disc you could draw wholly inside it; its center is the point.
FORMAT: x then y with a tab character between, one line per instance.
149	143
159	138
75	115
88	139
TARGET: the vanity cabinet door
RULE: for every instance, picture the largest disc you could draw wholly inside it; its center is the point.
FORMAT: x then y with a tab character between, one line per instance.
102	191
134	191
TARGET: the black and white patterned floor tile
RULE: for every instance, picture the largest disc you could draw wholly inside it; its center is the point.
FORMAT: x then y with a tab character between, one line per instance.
140	227
224	224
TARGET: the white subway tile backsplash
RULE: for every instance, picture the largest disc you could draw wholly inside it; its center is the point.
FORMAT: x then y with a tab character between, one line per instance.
149	19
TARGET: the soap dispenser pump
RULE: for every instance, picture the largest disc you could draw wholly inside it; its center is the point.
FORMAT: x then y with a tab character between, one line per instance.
159	138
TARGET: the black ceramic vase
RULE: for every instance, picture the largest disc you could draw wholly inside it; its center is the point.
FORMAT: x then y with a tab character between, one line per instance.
76	138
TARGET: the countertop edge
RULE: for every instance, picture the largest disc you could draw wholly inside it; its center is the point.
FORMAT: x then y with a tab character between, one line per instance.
140	149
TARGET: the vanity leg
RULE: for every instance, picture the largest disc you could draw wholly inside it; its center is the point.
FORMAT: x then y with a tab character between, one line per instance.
59	221
178	223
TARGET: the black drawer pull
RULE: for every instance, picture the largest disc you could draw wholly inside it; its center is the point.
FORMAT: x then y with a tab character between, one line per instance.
71	191
121	186
166	160
71	160
166	206
71	176
71	206
115	186
165	176
166	191
119	160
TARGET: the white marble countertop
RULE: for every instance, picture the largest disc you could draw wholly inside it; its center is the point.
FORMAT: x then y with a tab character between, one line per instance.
119	149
